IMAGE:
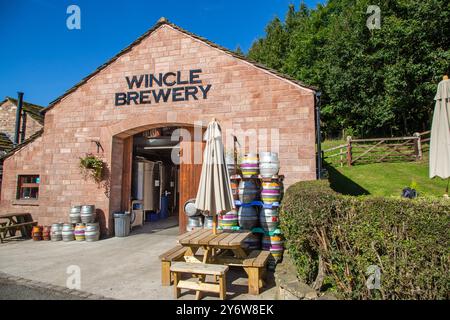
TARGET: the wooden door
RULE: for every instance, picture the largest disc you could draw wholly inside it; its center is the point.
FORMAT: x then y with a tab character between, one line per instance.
190	173
127	166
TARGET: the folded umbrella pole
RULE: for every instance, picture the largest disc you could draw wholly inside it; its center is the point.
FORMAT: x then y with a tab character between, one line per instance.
214	193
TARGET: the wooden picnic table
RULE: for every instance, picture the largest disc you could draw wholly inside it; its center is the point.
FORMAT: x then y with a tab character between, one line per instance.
16	221
226	248
212	243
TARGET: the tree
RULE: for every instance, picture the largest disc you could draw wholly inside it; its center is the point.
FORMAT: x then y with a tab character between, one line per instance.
374	82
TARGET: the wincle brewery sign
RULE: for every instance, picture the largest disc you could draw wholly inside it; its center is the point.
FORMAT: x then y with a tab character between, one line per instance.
163	87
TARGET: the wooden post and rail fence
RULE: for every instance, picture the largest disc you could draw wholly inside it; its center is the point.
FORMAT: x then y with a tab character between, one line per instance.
364	151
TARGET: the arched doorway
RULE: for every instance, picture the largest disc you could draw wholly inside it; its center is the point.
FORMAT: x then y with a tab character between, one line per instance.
155	162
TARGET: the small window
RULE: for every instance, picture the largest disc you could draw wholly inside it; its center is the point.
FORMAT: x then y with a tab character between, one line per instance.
28	187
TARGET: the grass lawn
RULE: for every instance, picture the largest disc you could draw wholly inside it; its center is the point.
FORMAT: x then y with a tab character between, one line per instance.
385	179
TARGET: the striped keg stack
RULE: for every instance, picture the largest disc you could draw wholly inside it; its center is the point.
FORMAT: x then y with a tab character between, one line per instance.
261	186
229	220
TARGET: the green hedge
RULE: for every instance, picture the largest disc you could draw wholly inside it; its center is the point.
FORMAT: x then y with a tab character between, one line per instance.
409	240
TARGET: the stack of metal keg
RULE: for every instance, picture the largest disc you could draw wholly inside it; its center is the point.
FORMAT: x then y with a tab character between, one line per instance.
260	182
81	226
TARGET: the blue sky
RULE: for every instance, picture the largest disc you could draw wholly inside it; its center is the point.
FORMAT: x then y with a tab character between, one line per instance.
42	57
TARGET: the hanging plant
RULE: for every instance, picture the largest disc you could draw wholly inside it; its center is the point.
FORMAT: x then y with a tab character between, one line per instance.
93	166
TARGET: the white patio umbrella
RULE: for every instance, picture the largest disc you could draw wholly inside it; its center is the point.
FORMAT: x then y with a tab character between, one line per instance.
214	193
440	133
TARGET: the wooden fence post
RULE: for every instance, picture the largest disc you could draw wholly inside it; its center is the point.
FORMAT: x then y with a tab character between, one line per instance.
349	151
418	146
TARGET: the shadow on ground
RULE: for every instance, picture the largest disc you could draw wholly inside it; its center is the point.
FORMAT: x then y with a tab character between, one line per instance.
344	185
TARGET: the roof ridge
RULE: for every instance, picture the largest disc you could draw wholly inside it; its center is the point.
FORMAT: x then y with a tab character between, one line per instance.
164	21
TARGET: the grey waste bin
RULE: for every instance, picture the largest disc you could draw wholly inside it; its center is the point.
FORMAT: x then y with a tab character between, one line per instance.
122	224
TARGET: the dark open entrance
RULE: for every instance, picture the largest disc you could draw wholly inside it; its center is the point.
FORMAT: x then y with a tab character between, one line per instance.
155	176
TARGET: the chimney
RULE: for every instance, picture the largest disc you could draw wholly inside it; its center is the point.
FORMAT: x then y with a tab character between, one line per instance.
18	117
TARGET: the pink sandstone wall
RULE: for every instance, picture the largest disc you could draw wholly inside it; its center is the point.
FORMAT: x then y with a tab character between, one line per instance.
242	97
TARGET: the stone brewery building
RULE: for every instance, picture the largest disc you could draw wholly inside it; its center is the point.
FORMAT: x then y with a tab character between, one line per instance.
127	112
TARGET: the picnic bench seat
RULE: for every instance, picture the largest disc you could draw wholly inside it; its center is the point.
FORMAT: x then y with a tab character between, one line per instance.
175	254
201	270
254	265
4	228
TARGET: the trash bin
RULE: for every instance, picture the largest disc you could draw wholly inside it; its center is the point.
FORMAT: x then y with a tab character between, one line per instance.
122	224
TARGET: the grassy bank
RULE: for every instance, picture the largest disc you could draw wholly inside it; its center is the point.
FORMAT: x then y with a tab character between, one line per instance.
385	179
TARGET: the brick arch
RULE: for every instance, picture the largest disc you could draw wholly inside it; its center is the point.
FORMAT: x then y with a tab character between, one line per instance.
121	160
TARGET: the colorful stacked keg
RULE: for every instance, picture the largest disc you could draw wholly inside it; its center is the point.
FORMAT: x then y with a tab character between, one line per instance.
36	233
229	220
253	242
67	232
274	244
250	165
79	232
56	232
248	191
271	192
248	217
46	231
269	165
268	219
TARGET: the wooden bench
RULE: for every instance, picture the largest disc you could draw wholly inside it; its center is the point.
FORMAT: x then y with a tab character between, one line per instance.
201	270
5	228
255	267
175	254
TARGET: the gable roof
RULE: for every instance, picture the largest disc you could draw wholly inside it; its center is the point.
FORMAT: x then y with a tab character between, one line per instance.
161	22
5	142
33	110
30	139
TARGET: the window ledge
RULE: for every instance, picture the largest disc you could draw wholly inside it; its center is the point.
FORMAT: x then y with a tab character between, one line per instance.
34	203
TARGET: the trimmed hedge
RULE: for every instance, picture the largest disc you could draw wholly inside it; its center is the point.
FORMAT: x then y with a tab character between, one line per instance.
409	240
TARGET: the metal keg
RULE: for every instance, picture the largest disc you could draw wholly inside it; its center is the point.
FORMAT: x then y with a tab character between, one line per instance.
194	223
229	220
79	231
67	232
248	191
248	218
92	232
87	213
268	219
250	165
75	214
208	223
271	192
190	209
56	232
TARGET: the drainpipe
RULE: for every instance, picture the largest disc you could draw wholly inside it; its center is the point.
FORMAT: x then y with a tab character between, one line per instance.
318	136
18	116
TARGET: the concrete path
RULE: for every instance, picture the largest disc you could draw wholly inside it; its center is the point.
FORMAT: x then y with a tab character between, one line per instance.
120	268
